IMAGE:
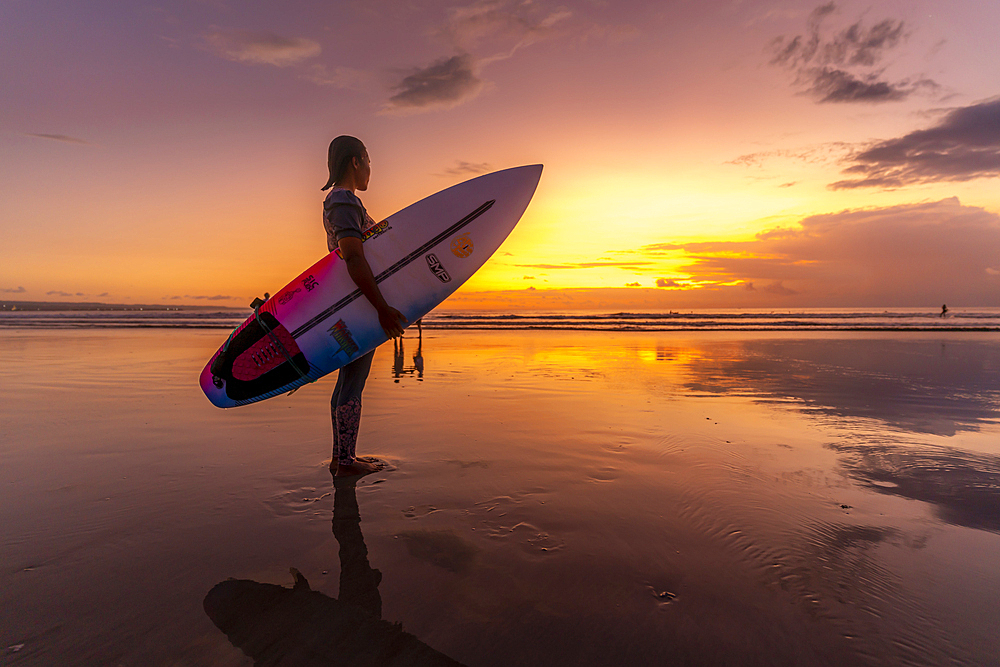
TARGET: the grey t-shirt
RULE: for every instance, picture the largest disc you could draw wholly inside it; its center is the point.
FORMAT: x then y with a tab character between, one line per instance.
344	216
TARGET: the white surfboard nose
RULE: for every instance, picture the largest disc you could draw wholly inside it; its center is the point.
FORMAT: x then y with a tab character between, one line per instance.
536	172
531	173
517	185
528	172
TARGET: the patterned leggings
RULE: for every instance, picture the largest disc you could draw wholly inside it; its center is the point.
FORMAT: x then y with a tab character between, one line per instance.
345	407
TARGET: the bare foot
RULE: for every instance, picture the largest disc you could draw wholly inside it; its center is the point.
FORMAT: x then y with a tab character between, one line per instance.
361	466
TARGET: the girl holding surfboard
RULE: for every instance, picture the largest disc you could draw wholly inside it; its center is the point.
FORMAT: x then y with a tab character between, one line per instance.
346	220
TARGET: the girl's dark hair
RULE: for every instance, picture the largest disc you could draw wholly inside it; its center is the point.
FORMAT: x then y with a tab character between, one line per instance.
342	149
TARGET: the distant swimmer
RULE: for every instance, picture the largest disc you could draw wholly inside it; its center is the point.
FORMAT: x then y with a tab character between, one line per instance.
944	310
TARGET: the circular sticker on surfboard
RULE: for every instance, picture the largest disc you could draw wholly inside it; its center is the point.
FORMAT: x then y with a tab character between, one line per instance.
462	246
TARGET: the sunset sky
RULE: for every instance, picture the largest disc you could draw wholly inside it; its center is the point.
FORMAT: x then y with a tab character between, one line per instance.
713	153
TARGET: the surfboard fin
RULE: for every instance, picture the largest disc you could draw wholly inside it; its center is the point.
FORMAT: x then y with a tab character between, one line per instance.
258	302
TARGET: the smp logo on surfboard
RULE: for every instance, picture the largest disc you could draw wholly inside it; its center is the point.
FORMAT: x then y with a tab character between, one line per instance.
437	269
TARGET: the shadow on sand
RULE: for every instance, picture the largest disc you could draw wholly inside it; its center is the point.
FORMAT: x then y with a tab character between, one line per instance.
275	625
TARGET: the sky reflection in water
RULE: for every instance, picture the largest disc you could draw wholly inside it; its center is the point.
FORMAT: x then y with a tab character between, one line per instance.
937	387
554	497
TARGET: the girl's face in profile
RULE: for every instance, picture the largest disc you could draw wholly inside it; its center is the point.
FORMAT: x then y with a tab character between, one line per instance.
363	172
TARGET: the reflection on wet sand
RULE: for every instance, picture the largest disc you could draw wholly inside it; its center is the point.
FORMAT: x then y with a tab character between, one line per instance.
399	367
963	486
275	625
921	386
556	498
839	574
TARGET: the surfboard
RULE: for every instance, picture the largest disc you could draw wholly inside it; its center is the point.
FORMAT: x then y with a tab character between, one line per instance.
320	320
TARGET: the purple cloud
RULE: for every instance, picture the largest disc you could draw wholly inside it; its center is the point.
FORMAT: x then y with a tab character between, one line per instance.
844	68
963	146
915	254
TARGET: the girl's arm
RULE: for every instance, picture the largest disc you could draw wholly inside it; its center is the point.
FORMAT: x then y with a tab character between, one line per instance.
353	252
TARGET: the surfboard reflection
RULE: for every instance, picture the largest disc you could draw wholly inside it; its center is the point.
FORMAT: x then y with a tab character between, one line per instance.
399	367
275	625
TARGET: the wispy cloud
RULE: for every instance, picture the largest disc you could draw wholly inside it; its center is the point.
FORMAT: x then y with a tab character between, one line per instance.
265	48
963	146
463	168
56	292
338	77
201	297
504	25
778	288
816	154
14	290
443	84
610	34
58	137
667	282
845	67
479	34
587	265
268	48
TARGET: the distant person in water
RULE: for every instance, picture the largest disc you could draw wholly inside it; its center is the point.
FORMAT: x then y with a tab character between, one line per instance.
944	310
346	220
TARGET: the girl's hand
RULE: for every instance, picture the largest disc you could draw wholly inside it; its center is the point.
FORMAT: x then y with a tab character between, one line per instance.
390	319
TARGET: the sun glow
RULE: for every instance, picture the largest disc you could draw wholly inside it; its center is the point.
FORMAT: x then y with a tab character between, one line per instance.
189	162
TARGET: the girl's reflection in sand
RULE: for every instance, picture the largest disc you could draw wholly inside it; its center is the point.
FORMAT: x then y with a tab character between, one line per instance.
358	580
399	367
275	625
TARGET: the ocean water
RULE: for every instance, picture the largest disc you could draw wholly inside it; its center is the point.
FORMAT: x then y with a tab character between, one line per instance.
814	319
979	319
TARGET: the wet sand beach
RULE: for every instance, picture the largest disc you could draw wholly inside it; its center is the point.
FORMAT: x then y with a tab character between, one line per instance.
552	497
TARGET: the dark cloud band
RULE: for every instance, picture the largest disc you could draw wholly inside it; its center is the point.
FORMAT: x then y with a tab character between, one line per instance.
57	137
963	146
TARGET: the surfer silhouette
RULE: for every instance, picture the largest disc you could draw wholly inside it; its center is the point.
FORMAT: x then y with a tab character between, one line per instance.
275	625
944	310
346	220
398	359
